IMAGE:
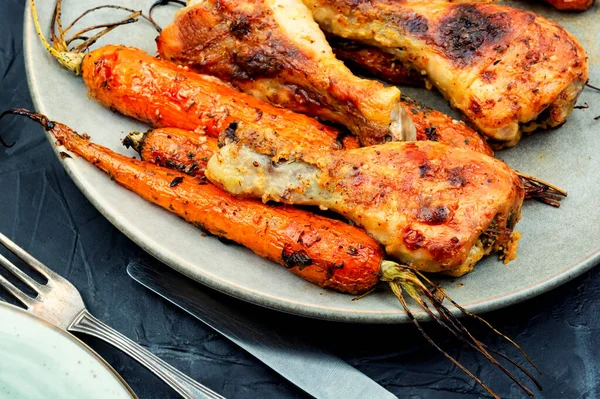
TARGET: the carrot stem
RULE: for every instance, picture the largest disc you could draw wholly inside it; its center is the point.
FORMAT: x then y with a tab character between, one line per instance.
68	59
481	319
110	27
403	278
114	6
397	290
162	3
541	191
72	59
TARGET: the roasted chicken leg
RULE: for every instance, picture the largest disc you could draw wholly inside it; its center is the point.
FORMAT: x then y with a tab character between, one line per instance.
276	52
508	71
437	208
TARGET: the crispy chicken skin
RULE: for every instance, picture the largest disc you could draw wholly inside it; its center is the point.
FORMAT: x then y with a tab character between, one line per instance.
508	71
273	50
437	208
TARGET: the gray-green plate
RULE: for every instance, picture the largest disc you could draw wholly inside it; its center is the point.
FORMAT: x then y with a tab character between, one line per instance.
40	360
557	244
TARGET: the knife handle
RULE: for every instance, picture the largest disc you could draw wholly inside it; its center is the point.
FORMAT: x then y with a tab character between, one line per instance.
181	383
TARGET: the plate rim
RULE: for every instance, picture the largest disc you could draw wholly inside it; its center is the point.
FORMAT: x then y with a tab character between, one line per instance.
72	338
281	304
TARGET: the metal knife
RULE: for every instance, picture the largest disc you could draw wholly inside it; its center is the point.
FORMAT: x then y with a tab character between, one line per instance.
320	374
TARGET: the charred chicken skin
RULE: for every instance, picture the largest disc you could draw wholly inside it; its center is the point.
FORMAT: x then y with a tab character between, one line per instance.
437	208
508	71
274	51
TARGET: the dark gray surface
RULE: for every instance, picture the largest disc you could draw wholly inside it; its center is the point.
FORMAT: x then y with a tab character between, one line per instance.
42	210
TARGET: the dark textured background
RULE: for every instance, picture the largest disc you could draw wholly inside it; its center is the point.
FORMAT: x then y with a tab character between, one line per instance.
42	210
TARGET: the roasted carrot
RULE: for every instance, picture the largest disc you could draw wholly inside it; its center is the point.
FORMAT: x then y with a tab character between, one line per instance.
437	126
164	95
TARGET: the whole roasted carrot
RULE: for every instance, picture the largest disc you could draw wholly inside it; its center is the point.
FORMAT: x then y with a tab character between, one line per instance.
164	95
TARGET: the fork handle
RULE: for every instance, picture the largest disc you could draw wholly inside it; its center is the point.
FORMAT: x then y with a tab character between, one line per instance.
181	383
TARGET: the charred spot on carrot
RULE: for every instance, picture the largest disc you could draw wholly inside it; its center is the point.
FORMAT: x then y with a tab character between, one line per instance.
176	181
292	259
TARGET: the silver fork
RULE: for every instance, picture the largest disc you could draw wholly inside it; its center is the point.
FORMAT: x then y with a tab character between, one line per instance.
60	303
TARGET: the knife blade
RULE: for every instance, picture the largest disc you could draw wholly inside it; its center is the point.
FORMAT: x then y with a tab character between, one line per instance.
317	372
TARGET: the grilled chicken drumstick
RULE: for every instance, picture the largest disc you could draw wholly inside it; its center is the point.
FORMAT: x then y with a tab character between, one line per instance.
275	51
437	208
508	71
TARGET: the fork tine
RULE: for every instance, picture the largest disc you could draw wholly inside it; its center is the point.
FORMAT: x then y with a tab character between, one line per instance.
18	273
30	260
17	293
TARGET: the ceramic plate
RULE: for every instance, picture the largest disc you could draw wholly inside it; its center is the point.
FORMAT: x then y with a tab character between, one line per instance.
40	360
557	244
